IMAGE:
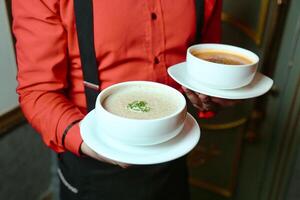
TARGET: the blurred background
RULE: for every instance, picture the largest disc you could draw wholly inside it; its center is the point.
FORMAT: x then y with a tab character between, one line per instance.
247	152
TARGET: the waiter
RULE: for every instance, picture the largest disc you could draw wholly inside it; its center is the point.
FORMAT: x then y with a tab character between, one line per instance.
69	50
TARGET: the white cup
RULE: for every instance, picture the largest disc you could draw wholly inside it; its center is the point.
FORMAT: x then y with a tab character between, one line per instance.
140	131
221	76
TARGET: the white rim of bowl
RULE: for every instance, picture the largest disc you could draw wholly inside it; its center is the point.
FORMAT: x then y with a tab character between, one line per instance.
147	83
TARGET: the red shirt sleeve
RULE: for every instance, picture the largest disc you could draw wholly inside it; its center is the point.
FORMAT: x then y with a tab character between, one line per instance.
41	47
211	32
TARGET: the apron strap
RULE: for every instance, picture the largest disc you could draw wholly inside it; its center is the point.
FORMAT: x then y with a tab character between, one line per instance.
199	4
85	32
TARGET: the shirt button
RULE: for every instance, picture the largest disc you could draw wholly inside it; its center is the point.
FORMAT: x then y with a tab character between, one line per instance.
156	60
153	16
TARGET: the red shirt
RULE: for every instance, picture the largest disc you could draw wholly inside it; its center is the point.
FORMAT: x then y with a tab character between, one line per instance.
129	45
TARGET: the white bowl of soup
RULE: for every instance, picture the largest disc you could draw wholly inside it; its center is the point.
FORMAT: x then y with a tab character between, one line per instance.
140	112
221	66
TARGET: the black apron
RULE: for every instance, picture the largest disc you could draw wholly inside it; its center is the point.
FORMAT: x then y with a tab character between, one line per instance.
85	178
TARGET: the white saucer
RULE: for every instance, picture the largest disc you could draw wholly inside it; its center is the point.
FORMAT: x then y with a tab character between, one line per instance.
259	86
176	147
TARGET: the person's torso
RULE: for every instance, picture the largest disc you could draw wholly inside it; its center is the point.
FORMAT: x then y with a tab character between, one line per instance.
134	40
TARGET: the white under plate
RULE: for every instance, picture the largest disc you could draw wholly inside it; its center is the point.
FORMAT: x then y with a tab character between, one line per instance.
176	147
259	85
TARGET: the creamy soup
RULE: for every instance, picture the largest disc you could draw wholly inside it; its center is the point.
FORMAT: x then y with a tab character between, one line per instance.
141	102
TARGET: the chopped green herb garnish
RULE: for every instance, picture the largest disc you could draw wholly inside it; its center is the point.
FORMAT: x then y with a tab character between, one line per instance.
138	106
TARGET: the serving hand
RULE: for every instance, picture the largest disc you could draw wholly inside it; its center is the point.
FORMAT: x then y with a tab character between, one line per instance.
89	152
206	103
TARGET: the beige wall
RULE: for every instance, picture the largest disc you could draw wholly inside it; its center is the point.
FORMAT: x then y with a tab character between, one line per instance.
8	96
